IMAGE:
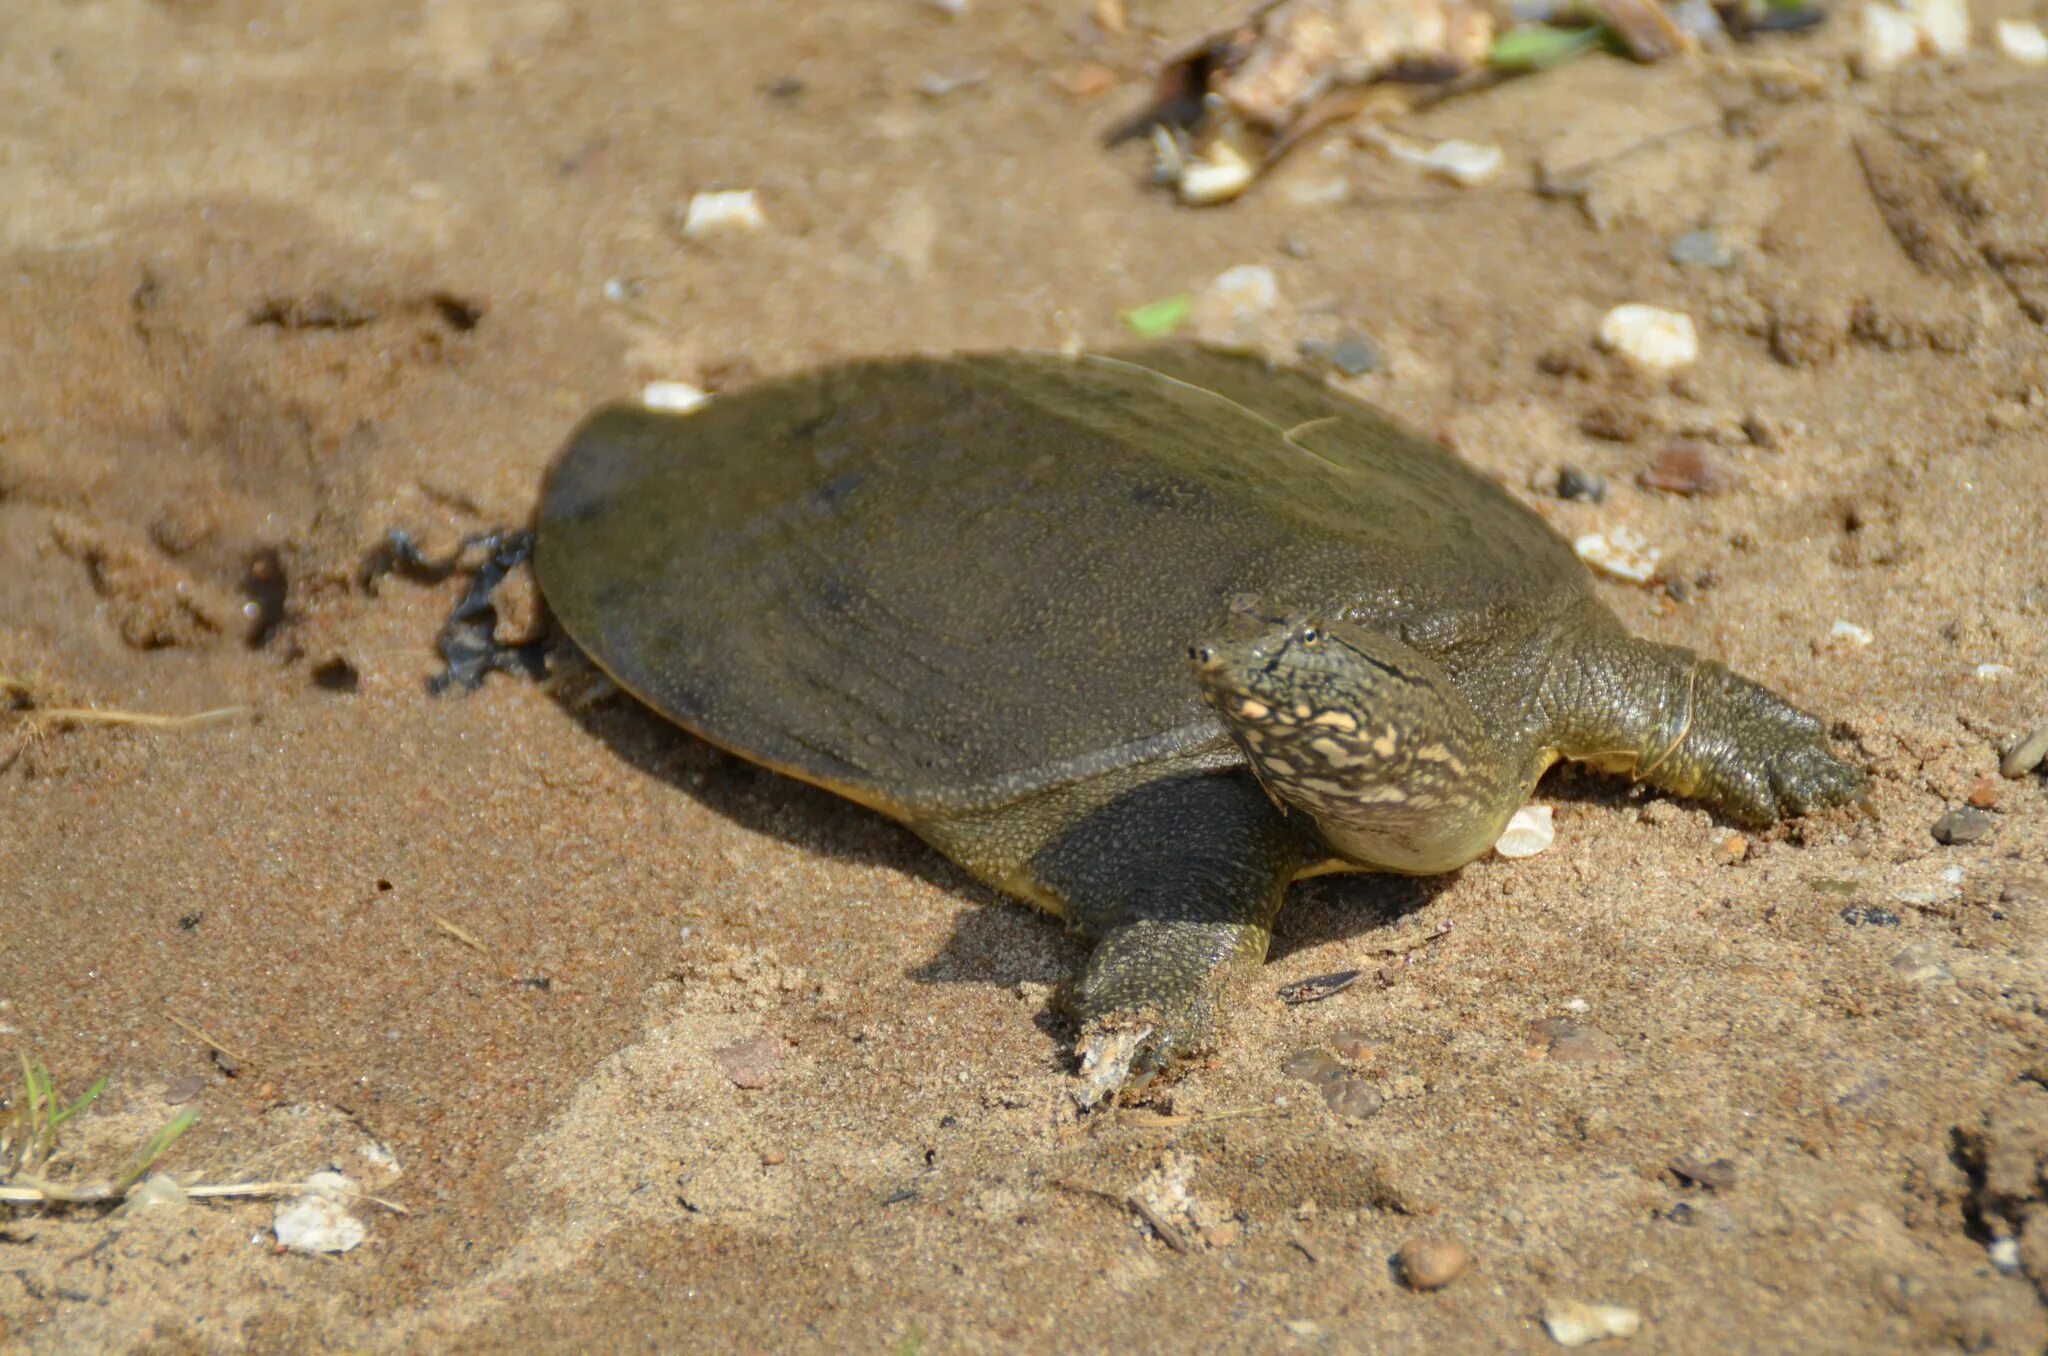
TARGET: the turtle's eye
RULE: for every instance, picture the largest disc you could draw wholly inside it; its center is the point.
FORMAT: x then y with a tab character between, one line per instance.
1311	635
1204	656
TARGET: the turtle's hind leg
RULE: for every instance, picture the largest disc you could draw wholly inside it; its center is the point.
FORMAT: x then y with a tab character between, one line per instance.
1179	882
1666	716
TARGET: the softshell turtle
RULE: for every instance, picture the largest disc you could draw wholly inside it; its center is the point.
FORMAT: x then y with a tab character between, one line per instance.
1140	638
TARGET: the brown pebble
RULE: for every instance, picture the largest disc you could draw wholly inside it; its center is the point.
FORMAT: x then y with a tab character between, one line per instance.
1683	468
1353	1044
1715	1175
773	1158
1962	826
1569	1042
1224	1235
1983	793
1735	847
1086	80
1431	1263
185	1089
1313	1065
750	1063
1353	1098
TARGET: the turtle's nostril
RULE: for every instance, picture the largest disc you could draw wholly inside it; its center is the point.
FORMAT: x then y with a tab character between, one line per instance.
1204	656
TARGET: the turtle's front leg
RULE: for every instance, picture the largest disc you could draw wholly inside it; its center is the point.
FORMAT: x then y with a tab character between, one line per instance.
1688	725
1179	882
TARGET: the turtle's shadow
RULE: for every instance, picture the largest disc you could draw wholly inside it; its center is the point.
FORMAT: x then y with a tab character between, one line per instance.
1002	941
761	800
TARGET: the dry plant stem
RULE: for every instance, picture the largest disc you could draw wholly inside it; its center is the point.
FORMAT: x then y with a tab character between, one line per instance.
92	715
26	1190
209	1042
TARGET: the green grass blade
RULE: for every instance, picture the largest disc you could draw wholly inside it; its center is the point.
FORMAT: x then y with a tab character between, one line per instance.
1538	47
1156	319
158	1144
90	1095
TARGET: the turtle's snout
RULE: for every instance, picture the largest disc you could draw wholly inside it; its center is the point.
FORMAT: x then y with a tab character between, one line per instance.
1205	657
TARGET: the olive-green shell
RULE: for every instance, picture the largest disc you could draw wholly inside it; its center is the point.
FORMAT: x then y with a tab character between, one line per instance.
942	584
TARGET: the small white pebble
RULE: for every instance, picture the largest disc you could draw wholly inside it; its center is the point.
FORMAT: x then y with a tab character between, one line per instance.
1218	175
1944	25
1247	290
317	1221
1621	552
2005	1254
2022	40
1529	832
1848	633
1993	673
1464	163
952	9
1573	1323
675	397
1577	1005
1890	38
1650	336
723	211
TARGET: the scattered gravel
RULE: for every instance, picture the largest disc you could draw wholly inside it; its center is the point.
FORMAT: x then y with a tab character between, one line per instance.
1848	635
1431	1263
1702	249
317	1221
2022	40
1650	336
1530	830
750	1063
1684	468
723	212
1622	552
673	397
1573	483
1574	1323
2026	755
1354	1044
1717	1174
1921	963
1352	1098
1314	1065
1869	916
1965	824
1350	353
1570	1042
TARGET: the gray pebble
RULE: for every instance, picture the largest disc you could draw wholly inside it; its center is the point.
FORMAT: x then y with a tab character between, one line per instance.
2027	754
1352	1098
1314	1065
1702	249
1869	915
1573	483
1717	1174
1351	353
1964	824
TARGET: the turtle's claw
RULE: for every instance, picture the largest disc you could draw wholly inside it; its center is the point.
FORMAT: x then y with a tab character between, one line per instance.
1120	1059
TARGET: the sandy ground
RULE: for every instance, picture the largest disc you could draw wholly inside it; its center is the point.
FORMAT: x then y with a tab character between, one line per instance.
278	278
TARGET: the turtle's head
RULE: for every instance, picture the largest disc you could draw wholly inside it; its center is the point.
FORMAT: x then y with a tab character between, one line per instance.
1364	735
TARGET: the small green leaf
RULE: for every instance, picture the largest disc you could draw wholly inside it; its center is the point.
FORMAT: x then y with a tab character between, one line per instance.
90	1095
1161	317
158	1143
1537	47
